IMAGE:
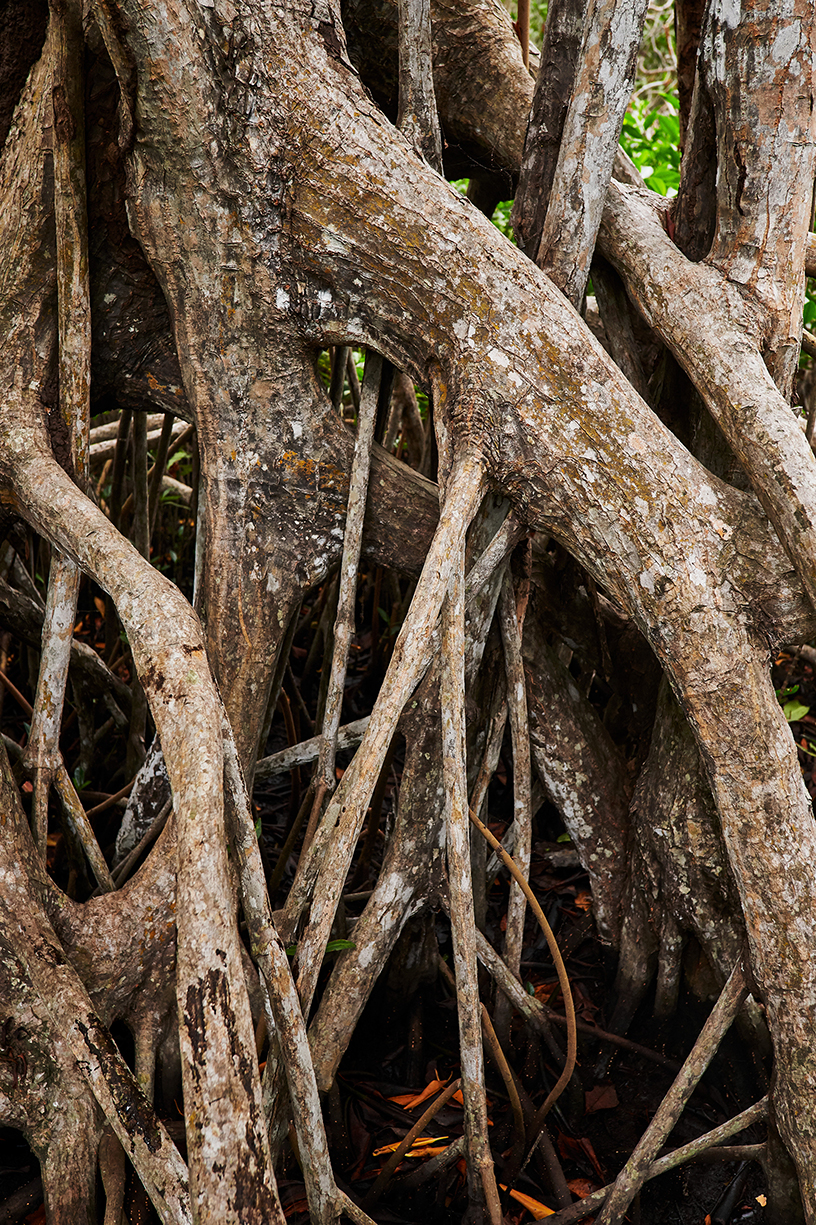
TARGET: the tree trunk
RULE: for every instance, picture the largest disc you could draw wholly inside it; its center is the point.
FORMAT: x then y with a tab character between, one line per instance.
250	206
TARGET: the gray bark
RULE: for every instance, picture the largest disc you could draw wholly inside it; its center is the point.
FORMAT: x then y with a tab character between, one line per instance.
259	245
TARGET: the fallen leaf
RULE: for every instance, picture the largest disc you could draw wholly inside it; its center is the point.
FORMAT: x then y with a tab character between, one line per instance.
579	1148
582	1187
420	1142
602	1097
544	991
409	1100
534	1206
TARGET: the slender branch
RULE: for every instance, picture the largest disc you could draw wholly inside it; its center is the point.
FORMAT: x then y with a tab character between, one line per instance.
589	144
417	116
560	969
81	828
155	474
634	1173
348	737
284	1018
522	801
352	544
561	46
506	1073
670	1161
384	1177
481	1176
331	850
42	756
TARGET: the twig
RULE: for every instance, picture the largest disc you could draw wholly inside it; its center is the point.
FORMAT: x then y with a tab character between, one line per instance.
560	968
119	463
436	1165
179	434
352	543
156	473
384	1177
42	755
506	1074
284	1016
80	827
522	802
481	1176
499	549
333	846
123	870
633	1174
540	1016
107	803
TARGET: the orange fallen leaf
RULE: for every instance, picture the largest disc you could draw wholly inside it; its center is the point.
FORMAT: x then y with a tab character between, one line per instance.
420	1142
409	1100
534	1206
584	900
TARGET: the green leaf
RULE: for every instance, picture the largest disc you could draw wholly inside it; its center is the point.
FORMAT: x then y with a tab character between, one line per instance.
340	946
794	711
563	838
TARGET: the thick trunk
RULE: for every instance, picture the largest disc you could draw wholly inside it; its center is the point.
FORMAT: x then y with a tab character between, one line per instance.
279	214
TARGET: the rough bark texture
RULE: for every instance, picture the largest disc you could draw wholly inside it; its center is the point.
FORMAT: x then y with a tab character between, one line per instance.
251	205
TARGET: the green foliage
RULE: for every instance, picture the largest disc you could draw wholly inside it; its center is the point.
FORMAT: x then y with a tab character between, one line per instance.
794	711
657	57
651	137
81	780
810	305
334	946
501	219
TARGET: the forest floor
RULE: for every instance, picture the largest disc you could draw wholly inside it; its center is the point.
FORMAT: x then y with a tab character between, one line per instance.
405	1049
